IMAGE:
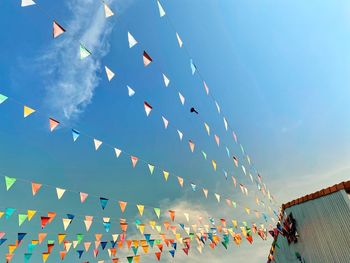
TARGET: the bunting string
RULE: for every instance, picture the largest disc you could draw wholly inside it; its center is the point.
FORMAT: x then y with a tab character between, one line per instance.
53	123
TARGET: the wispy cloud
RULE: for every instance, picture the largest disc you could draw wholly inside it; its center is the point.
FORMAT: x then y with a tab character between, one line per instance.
71	81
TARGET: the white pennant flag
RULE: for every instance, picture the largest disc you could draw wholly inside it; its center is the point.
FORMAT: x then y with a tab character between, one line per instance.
108	11
179	40
60	192
97	144
180	135
218	107
132	40
131	92
27	3
110	74
182	98
225	123
148	108
166	80
166	122
117	152
161	10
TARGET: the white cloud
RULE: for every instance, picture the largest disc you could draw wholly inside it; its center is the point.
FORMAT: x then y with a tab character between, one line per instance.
72	81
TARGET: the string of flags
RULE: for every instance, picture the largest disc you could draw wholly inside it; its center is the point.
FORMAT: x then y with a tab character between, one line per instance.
194	69
84	52
53	124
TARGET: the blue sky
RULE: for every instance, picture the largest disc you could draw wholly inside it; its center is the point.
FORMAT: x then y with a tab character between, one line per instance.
278	70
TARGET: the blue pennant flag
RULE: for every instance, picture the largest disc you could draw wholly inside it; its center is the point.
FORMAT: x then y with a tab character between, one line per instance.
103	202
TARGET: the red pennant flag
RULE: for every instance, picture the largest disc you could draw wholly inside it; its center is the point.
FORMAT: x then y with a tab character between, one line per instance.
53	123
185	249
158	255
57	29
44	221
134	160
172	215
63	254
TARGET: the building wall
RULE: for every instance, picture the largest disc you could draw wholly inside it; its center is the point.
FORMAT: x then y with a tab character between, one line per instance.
323	226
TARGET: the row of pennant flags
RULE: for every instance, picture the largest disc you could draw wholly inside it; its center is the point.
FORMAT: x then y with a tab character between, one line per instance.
103	202
147	60
53	124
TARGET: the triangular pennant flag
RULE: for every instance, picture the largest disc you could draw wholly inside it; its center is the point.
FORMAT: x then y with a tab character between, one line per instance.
140	208
27	257
132	40
207	128
214	165
205	191
60	238
194	187
60	192
122	205
151	168
180	134
161	9
172	215
110	74
27	3
166	175
41	237
103	202
217	197
226	125
134	161
117	152
182	98
158	254
166	80
108	11
27	111
181	181
187	216
57	29
191	145
157	211
45	256
3	98
53	124
97	144
148	108
193	67
30	214
84	52
9	181
179	40
131	92
8	212
83	197
22	218
44	221
75	134
204	155
166	122
66	222
217	107
146	59
217	139
206	87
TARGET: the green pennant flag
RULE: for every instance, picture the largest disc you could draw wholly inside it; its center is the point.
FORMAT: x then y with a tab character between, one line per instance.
224	244
80	238
134	249
2	98
9	182
22	218
130	259
84	53
204	155
27	257
157	211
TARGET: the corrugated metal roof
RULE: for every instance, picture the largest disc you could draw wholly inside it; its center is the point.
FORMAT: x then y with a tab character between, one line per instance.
326	191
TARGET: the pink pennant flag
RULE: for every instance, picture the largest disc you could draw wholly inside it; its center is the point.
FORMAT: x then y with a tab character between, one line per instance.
148	108
57	29
191	145
134	160
146	59
217	139
83	197
53	124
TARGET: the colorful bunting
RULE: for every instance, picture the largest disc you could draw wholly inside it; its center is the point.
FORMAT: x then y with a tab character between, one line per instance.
134	161
103	202
75	134
193	67
30	214
157	211
166	80
60	192
179	40
8	212
25	3
140	208
166	175
97	144
191	144
117	152
181	181
151	168
166	122
131	92
3	98
182	98
180	134
122	205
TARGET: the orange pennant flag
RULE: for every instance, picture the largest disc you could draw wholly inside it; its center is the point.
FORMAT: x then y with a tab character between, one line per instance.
35	188
122	205
146	59
53	124
172	215
181	181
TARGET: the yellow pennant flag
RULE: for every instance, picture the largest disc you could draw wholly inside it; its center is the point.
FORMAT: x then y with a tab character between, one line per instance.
214	164
27	111
140	208
60	238
45	256
60	192
30	214
217	197
166	175
207	128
